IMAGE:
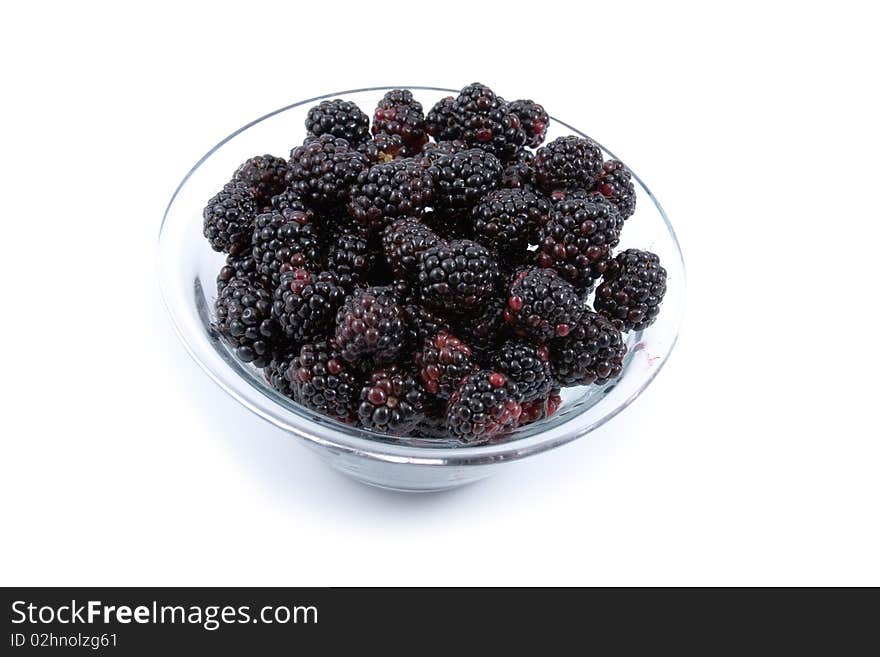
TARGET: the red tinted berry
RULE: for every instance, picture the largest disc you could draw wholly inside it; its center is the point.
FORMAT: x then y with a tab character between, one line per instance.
392	402
479	411
442	362
592	353
545	304
632	290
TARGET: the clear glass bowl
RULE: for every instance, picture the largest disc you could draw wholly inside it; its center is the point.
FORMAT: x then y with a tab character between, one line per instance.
187	274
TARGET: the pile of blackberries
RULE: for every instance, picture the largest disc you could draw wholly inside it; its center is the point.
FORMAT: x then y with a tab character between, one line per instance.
438	289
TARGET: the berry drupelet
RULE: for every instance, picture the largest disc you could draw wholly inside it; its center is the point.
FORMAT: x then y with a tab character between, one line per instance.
228	218
385	192
391	402
592	353
323	170
244	320
339	118
534	120
577	239
324	382
485	405
457	276
350	258
506	220
403	242
283	242
464	177
542	305
568	162
305	304
398	113
265	176
370	324
442	362
615	183
527	365
632	290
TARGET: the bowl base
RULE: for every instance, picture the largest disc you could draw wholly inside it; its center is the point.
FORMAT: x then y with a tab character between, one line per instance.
403	477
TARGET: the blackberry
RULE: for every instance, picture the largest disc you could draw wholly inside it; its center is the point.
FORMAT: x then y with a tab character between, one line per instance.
433	425
398	113
323	169
540	408
542	305
421	323
527	365
277	372
240	266
284	241
370	323
568	162
457	276
462	178
244	320
443	121
442	362
229	218
577	239
339	118
391	402
558	196
385	192
322	381
615	183
518	174
290	203
450	224
403	242
632	290
483	329
384	148
485	405
433	150
401	289
534	120
265	176
592	353
350	258
487	122
305	304
506	220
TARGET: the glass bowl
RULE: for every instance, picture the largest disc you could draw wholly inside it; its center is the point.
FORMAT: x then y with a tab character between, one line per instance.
187	273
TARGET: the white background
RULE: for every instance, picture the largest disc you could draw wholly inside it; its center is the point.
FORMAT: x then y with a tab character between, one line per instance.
752	459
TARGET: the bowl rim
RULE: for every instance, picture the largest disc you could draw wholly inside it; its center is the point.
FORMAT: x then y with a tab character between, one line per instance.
344	439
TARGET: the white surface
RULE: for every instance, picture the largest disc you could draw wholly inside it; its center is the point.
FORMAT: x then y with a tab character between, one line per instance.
753	459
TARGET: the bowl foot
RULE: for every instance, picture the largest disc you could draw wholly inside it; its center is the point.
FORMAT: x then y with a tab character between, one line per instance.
404	477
